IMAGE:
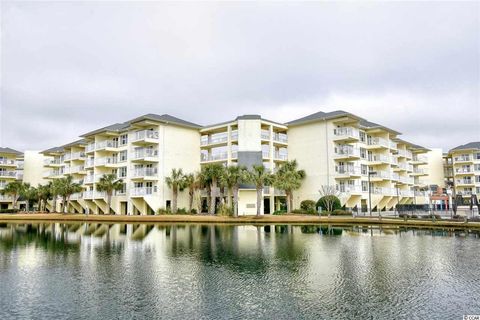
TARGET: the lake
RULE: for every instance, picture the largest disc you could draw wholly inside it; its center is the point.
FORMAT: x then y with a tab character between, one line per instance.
136	271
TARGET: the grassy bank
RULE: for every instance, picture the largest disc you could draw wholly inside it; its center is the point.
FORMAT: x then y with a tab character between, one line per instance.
267	219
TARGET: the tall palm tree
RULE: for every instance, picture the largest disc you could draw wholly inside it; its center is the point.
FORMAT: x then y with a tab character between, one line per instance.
192	184
67	188
213	172
14	189
109	183
176	182
55	189
289	178
204	183
29	194
232	177
44	193
260	177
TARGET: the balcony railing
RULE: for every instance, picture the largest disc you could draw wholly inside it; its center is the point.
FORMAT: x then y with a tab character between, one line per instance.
90	147
214	139
345	188
144	135
142	191
419	158
234	135
419	171
463	158
76	169
381	174
105	161
347	151
144	172
106	144
280	137
265	135
214	157
406	180
348	170
464	170
8	174
464	181
346	132
89	179
89	162
393	145
144	153
281	156
406	193
77	155
7	162
6	197
88	194
53	161
377	141
379	158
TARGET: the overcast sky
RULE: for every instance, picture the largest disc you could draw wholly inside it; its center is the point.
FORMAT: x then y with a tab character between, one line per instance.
68	68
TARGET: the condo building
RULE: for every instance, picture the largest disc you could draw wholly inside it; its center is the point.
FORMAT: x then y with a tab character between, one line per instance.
462	170
336	149
11	169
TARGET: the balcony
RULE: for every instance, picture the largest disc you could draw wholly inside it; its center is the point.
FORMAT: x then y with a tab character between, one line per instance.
215	139
406	193
465	193
349	189
465	170
406	180
77	156
347	171
421	194
90	147
463	158
266	154
379	159
393	145
105	161
265	135
346	134
280	137
234	135
145	136
395	177
394	160
145	173
213	157
99	195
419	159
53	162
465	182
380	175
89	179
77	169
280	156
142	191
419	172
76	196
8	163
6	197
8	174
106	145
88	194
377	142
145	155
346	152
89	163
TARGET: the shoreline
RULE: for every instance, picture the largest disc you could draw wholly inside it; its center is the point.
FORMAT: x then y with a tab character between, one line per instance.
242	220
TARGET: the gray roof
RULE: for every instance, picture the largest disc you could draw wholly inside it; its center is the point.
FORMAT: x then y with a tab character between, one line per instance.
166	118
244	117
336	114
53	150
470	145
117	127
10	151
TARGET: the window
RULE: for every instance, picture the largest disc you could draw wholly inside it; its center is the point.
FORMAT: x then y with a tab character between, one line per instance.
364	186
122	156
122	172
123	139
362	136
364	169
363	153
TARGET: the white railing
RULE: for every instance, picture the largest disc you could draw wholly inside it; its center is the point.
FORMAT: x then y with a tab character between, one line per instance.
234	154
465	193
462	158
265	135
144	153
406	193
379	158
90	147
419	158
344	132
9	174
346	188
281	156
106	144
77	155
53	161
89	179
464	170
88	194
214	157
348	170
464	181
280	137
234	135
144	134
266	154
419	171
347	151
142	191
395	176
393	145
7	162
76	169
406	180
105	161
394	160
377	141
6	197
381	174
89	162
144	172
76	196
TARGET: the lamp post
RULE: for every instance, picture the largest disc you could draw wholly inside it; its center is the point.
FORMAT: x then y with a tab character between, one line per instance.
370	192
396	207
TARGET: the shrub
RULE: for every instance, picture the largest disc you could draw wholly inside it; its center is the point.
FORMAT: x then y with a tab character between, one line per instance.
182	211
414	216
322	202
193	211
299	211
279	212
225	210
457	217
8	210
339	212
308	205
163	211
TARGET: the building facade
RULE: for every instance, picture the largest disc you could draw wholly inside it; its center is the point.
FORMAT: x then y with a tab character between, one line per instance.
462	170
336	149
11	169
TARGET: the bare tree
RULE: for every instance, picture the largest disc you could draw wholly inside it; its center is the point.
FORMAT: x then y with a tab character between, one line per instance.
329	194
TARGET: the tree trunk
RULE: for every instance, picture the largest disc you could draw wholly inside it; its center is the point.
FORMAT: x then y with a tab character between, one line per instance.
14	202
54	204
174	200
209	197
109	201
235	201
213	197
68	202
190	200
290	194
229	197
289	204
259	200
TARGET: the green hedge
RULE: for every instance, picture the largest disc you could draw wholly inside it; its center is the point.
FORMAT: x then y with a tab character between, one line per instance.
8	210
336	203
279	212
308	205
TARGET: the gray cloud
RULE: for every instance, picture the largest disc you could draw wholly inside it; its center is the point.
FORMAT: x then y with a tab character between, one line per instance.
68	68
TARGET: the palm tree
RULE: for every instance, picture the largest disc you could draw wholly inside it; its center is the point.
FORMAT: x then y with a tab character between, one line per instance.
176	182
44	193
55	189
260	176
192	184
204	183
232	177
109	183
289	178
29	193
212	173
67	188
14	189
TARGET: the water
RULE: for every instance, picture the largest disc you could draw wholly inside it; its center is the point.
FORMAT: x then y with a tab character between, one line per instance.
95	271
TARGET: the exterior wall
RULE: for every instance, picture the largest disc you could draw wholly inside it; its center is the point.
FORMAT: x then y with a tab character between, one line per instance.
247	202
435	168
33	168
